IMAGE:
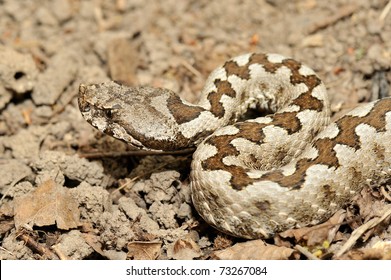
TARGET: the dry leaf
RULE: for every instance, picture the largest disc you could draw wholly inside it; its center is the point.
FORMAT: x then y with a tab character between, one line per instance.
370	206
380	251
184	249
254	250
49	204
222	241
316	235
142	250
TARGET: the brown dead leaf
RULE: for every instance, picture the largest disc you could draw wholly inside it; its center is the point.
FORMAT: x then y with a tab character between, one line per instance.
184	249
317	234
383	217
369	205
380	251
254	250
363	254
222	242
142	250
49	204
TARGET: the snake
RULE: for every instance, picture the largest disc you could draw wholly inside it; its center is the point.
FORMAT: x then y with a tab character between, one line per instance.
266	158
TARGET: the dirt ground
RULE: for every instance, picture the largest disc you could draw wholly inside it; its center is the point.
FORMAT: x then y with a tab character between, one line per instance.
70	192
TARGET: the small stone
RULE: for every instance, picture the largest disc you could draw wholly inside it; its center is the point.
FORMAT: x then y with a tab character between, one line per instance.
184	211
46	17
74	246
374	27
61	10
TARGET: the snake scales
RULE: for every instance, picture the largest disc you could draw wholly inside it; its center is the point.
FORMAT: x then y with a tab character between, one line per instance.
253	178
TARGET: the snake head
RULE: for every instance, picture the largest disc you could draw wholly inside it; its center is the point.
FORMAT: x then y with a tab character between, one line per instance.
137	116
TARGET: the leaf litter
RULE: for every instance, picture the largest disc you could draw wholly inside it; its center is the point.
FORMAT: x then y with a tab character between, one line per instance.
50	204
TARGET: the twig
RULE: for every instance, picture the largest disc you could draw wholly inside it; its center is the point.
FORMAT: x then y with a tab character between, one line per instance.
36	247
385	193
357	233
60	107
305	252
59	253
341	14
189	67
385	11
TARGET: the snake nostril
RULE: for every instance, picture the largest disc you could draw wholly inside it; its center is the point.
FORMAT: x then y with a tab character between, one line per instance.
108	114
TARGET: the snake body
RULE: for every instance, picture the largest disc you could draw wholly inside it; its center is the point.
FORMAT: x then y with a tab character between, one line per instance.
253	178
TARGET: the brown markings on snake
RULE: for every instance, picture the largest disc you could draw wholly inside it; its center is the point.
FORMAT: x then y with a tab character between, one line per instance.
305	100
214	97
294	180
253	131
380	152
225	87
325	146
329	192
326	156
262	59
263	205
233	68
288	121
248	130
375	118
181	112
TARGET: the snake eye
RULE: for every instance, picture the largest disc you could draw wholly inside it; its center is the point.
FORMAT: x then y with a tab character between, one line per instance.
86	107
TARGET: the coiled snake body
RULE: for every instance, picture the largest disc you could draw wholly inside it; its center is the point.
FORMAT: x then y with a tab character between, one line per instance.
256	177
